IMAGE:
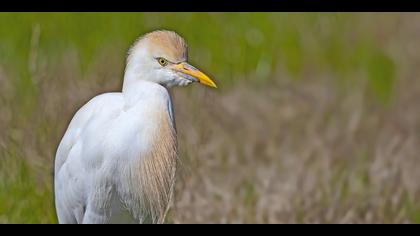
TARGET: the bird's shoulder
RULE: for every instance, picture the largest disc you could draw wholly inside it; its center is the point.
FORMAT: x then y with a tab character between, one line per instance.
103	105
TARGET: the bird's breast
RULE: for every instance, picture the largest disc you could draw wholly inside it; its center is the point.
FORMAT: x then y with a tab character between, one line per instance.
148	177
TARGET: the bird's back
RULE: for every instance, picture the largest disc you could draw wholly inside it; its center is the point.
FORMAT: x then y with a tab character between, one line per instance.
117	157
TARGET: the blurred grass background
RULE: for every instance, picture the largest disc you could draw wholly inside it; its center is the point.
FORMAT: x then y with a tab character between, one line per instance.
316	118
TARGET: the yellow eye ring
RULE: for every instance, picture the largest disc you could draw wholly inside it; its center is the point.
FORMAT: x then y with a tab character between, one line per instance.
162	61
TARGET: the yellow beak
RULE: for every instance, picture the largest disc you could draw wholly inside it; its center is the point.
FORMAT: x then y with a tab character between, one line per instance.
186	68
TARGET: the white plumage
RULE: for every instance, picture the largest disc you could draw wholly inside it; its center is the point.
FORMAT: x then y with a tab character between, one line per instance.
116	162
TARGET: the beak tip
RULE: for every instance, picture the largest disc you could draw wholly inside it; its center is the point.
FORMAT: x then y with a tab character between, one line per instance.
209	84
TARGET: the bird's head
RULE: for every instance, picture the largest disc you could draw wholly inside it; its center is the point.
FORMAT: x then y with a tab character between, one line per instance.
161	57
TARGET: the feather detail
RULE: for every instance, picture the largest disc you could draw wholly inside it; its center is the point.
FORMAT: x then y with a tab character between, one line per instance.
151	177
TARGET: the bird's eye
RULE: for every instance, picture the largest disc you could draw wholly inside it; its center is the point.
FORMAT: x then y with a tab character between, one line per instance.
162	61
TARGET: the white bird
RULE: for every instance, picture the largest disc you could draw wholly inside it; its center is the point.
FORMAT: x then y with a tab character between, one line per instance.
116	161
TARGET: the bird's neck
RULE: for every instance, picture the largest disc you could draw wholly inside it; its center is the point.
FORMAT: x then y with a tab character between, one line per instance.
135	88
131	80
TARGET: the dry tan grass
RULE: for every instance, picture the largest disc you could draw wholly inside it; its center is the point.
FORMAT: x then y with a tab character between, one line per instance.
296	154
281	153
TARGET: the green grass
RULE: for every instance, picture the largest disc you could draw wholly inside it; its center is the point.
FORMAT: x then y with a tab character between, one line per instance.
24	198
232	46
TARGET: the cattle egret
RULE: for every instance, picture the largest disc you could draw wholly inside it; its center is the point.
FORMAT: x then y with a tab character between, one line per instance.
117	159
